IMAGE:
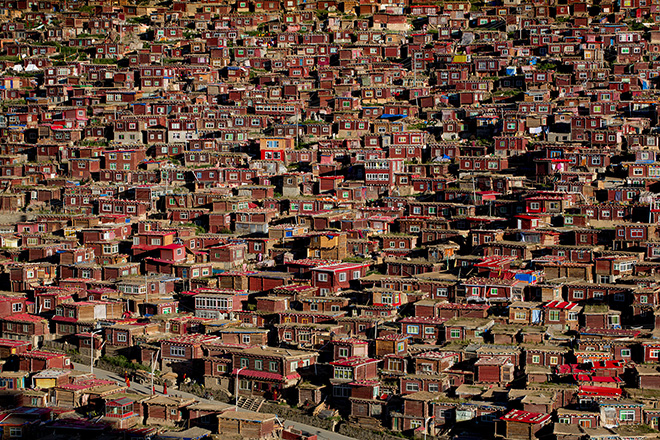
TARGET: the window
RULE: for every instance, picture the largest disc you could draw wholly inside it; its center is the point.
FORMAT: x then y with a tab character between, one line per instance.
625	352
341	391
322	277
536	359
121	337
584	423
343	373
245	362
412	387
16	307
15	432
258	364
177	351
627	415
636	233
272	366
342	276
412	329
454	333
553	315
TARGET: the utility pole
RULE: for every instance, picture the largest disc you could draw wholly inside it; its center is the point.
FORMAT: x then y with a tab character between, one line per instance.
153	390
426	425
236	389
91	349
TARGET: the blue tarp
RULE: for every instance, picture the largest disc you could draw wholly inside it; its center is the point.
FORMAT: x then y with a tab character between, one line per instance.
388	115
527	277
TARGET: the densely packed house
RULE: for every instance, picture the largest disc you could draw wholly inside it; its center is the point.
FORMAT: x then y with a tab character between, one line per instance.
423	218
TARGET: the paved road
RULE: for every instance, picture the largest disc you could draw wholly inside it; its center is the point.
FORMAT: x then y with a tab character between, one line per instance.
322	434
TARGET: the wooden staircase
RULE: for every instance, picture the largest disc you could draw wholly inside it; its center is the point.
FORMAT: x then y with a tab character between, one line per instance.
250	403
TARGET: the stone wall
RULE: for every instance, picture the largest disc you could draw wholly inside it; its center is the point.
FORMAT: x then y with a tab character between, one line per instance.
348	429
70	349
287	413
356	431
207	393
